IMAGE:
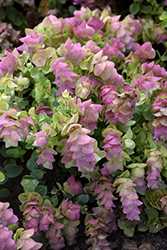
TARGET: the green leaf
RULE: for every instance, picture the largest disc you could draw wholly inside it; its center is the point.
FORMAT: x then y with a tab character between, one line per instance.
2	177
146	9
82	198
129	143
13	170
142	227
29	185
2	14
42	190
11	13
37	173
4	193
149	115
134	8
31	164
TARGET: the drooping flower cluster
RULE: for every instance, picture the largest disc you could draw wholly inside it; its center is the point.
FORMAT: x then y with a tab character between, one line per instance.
104	191
107	216
113	150
58	224
89	113
64	76
71	213
6	218
129	198
154	168
72	52
44	150
72	187
160	109
6	241
95	229
78	150
138	176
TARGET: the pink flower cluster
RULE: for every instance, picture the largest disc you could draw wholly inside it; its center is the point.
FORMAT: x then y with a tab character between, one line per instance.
104	191
45	152
160	109
119	30
72	52
73	187
89	113
78	150
6	218
64	76
13	128
95	230
155	164
113	150
105	69
129	198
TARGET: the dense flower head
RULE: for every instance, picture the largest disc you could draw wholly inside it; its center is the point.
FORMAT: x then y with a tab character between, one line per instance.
89	113
113	149
112	144
147	81
46	219
105	69
104	191
107	216
108	94
55	237
122	105
83	87
129	198
83	31
155	165
64	76
72	52
114	50
73	187
160	109
145	51
6	214
78	150
156	69
95	229
119	30
32	215
7	63
14	127
138	176
6	241
45	156
70	210
31	40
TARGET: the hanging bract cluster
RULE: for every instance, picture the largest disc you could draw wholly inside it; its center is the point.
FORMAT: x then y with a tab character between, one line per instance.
86	95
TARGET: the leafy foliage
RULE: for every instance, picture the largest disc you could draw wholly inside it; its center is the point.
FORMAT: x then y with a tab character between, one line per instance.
87	95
